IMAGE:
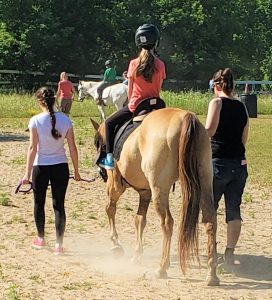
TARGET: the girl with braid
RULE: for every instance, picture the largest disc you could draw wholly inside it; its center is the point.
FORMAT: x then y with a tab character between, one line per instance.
47	162
227	125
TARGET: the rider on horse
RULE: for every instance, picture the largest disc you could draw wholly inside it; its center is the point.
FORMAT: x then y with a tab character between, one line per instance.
108	79
145	76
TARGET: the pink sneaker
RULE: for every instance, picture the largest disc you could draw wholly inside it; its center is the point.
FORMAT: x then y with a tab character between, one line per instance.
58	250
38	243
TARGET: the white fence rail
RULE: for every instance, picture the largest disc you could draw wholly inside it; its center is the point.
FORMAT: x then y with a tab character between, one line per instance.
16	72
249	85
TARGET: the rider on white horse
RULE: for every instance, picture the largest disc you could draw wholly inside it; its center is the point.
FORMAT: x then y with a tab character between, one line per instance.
108	79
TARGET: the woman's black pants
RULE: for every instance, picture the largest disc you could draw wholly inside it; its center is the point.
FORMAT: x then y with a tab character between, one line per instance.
58	176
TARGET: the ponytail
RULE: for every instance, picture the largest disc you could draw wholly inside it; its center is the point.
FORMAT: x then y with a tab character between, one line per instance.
146	66
47	98
225	80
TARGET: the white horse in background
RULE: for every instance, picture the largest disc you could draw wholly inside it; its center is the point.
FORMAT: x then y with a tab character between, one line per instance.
116	94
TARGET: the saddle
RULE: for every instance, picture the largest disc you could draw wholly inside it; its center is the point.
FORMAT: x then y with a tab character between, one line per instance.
145	107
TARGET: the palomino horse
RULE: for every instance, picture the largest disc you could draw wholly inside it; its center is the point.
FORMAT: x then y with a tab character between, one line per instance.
169	145
113	95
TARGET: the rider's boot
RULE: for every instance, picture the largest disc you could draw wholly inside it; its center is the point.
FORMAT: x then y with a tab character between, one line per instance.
107	162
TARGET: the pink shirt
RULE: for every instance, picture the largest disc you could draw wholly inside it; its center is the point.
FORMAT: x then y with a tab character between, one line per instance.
142	89
66	89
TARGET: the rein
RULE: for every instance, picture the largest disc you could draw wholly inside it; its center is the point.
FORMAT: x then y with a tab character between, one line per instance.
88	92
30	185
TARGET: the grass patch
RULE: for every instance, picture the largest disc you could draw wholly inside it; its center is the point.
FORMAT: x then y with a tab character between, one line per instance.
16	109
37	278
20	160
74	215
81	228
12	293
85	286
92	216
4	199
247	198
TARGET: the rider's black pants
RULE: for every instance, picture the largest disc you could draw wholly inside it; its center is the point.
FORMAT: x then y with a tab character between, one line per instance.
58	175
117	119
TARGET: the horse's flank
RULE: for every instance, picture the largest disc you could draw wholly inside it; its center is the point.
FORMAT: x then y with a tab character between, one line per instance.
152	148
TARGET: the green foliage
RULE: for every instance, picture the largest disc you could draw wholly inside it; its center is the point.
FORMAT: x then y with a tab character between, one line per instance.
197	37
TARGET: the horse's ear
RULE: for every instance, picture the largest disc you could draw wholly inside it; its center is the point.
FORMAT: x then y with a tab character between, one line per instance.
95	124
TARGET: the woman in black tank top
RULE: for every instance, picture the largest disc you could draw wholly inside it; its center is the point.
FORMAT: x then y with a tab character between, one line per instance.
227	126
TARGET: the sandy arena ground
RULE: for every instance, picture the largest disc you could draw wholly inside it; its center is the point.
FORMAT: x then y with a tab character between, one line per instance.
88	269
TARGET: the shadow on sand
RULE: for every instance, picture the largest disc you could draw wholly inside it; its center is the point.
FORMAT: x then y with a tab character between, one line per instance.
254	272
258	268
13	137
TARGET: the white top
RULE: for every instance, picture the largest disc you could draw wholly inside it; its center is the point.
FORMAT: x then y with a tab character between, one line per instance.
50	150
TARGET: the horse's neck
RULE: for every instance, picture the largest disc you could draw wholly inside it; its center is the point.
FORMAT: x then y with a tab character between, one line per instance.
91	87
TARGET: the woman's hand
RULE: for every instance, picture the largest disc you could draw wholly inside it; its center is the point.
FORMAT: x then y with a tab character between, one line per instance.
25	179
77	176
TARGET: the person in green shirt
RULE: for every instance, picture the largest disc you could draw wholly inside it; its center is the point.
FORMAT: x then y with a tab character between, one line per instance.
108	79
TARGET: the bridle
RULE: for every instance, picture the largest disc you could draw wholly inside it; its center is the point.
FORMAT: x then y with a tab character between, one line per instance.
83	91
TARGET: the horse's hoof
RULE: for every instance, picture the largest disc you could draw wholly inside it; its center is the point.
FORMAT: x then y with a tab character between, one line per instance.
212	280
117	251
161	274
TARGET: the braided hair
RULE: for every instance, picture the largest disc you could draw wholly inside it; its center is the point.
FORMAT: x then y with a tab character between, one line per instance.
224	78
47	98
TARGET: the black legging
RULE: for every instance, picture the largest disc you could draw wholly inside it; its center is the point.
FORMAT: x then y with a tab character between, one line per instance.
117	119
58	175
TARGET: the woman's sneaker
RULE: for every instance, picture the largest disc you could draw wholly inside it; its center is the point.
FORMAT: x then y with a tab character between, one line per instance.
58	250
107	162
38	243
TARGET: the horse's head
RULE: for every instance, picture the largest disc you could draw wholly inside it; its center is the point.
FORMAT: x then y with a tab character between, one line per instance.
82	92
99	143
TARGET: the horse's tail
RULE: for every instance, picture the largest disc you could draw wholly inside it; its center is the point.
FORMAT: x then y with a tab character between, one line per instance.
191	190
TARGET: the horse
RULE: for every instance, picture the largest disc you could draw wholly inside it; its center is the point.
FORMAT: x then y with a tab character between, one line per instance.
170	145
113	95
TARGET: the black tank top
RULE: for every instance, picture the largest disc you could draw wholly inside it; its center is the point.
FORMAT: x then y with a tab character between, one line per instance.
227	140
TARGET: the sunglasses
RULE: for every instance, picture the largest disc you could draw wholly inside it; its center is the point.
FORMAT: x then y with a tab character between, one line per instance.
212	84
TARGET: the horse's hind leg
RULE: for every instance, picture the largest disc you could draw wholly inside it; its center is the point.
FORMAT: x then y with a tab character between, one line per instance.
209	219
140	222
161	204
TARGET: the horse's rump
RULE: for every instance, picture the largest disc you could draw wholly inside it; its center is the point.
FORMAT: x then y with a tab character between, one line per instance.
153	148
170	144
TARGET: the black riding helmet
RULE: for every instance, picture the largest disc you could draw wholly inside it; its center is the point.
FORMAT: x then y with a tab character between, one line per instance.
147	36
